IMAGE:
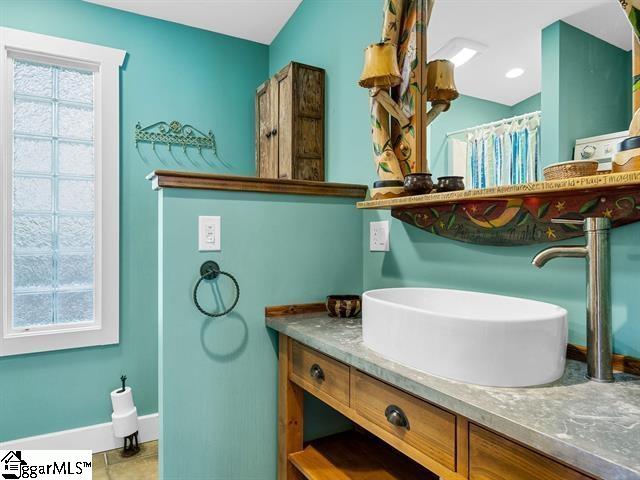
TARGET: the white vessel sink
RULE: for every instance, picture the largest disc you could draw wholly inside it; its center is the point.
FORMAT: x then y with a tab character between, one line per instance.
467	336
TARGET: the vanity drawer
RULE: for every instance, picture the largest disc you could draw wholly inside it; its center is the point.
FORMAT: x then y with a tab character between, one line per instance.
430	429
493	457
317	371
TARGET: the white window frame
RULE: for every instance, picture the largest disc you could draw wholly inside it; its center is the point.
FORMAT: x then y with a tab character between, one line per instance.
105	62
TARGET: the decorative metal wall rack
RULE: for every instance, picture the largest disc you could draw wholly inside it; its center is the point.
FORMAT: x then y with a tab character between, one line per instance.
175	133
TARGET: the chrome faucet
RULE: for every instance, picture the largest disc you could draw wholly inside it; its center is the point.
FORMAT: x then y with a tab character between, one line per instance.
596	252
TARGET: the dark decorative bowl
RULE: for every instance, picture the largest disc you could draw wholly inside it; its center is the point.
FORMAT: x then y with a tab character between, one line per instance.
418	183
344	306
450	184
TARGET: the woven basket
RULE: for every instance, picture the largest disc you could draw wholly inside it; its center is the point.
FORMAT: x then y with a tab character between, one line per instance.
574	168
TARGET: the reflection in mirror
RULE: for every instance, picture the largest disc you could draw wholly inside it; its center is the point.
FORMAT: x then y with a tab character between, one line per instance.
538	81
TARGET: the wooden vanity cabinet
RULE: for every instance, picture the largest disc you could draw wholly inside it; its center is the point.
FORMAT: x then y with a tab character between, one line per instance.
318	372
445	444
290	124
493	457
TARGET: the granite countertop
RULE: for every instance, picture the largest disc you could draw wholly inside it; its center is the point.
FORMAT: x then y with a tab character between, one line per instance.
592	426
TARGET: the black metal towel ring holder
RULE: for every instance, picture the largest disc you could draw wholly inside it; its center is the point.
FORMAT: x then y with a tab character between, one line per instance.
210	270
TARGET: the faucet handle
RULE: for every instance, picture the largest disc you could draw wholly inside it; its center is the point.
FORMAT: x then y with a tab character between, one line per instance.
589	223
570	221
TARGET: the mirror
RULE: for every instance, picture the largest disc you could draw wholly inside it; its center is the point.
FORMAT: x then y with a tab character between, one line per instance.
537	81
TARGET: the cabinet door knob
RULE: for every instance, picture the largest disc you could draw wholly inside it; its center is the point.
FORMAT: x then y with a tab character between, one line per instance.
268	134
396	417
316	372
274	131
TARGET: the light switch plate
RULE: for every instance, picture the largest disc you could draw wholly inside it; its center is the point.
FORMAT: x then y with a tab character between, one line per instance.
208	234
379	236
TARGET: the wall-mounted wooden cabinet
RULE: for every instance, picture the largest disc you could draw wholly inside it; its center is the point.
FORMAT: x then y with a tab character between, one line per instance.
290	124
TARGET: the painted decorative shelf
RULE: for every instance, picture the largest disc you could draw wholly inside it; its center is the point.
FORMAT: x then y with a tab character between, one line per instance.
520	214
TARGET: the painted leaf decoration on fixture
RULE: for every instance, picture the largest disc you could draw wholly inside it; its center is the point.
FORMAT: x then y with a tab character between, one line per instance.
542	211
385	167
377	149
392	7
621	201
523	218
590	205
403	36
452	220
489	209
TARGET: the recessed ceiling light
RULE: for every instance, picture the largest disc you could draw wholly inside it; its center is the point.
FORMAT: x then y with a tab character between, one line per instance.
463	56
458	50
514	73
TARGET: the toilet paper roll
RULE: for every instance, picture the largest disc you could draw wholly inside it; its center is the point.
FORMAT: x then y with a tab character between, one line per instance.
126	423
122	402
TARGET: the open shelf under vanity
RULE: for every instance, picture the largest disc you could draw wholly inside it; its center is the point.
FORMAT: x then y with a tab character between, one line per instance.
355	455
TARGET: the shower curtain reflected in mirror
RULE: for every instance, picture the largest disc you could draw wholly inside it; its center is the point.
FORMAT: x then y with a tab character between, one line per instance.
501	153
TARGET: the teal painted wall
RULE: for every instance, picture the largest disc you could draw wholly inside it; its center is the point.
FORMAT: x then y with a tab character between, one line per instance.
333	34
171	72
218	401
586	89
528	105
552	124
418	258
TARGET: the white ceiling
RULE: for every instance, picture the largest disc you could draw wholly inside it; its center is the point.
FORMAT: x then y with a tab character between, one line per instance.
511	30
256	20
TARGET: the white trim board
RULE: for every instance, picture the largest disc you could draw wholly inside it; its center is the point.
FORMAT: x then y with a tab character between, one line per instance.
97	438
105	62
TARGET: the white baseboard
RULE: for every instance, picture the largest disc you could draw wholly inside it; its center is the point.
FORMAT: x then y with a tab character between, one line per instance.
97	438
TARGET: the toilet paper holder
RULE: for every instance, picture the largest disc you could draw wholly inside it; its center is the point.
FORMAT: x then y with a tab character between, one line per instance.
210	270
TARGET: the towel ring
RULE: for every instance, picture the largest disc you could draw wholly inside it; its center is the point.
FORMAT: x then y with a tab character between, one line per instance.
210	270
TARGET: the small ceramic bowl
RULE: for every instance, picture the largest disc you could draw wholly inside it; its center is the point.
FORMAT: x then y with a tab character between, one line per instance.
450	184
418	183
344	306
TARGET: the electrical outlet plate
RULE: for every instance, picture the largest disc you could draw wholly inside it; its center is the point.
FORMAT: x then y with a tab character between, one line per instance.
379	236
208	234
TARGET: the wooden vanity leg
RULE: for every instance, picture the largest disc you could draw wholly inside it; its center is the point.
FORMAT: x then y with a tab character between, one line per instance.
462	447
290	414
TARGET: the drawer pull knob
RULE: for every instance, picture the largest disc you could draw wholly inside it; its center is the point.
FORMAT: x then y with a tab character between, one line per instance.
316	372
274	132
395	416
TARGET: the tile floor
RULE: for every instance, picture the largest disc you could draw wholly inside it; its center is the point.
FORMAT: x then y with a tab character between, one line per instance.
112	465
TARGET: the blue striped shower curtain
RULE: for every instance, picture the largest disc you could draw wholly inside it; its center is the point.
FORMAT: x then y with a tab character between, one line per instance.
504	154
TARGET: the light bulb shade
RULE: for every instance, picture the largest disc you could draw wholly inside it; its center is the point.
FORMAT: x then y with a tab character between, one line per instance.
380	66
441	86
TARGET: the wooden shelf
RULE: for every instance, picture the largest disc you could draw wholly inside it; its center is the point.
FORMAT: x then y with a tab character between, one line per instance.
520	214
355	456
207	181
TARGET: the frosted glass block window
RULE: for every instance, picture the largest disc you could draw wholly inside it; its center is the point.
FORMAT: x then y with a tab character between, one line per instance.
53	195
59	193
